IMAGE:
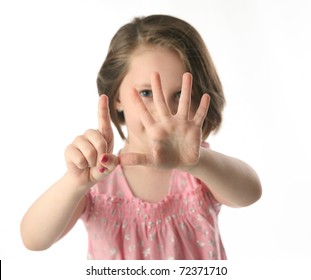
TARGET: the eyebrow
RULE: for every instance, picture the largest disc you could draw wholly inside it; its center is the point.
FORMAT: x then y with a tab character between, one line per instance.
148	86
143	86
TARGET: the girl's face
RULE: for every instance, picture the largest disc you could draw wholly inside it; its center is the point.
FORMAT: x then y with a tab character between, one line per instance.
143	62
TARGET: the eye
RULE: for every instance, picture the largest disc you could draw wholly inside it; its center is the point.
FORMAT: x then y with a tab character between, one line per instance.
177	95
146	93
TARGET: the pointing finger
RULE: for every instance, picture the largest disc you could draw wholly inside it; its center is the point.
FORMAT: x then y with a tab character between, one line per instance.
104	124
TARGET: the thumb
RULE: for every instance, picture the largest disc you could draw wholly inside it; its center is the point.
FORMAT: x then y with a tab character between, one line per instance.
131	159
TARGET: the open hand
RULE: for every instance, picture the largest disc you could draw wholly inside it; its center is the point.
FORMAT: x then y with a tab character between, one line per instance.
174	140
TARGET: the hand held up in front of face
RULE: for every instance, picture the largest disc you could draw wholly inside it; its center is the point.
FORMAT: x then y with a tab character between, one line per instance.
174	140
89	157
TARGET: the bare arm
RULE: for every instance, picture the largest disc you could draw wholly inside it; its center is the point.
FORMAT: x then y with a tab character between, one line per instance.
52	215
56	211
175	142
231	181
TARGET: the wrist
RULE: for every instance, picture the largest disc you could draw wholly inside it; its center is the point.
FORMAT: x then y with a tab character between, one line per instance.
74	185
194	168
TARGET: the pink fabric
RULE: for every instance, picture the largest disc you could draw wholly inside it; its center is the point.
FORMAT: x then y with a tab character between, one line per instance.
183	225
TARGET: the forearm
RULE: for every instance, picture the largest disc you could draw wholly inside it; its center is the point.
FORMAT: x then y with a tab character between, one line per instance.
231	181
50	214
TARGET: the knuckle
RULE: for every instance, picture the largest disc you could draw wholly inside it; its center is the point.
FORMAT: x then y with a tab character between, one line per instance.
73	155
102	145
90	132
78	139
90	154
99	142
81	162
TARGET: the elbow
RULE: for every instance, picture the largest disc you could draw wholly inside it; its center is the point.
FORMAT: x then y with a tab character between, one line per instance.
258	192
33	246
253	194
30	241
253	191
248	196
256	195
257	188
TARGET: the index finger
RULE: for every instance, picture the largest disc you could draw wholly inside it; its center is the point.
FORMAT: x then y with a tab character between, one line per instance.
104	124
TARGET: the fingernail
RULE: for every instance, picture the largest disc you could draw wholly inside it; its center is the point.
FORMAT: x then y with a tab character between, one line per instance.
102	169
104	159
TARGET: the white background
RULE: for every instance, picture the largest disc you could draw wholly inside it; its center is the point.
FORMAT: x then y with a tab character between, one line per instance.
50	53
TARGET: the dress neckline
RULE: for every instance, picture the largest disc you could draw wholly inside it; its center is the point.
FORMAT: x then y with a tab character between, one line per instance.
129	193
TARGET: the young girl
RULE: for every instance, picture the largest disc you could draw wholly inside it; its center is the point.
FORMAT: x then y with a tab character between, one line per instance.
159	197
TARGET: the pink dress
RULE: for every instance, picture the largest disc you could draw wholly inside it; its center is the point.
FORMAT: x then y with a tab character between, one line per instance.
183	225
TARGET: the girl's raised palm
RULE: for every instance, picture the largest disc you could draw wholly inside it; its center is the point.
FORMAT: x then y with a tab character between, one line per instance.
174	140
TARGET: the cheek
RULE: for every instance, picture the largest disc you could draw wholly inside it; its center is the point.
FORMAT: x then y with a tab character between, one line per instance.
132	120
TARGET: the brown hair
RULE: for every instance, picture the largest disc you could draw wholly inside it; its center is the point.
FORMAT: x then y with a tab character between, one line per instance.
175	34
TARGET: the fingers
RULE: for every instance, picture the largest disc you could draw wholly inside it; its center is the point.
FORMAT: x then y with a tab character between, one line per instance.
107	162
158	96
185	98
201	112
104	123
75	158
145	115
184	105
85	150
130	159
84	154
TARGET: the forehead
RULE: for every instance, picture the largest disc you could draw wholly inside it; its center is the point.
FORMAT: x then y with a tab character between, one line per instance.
146	60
